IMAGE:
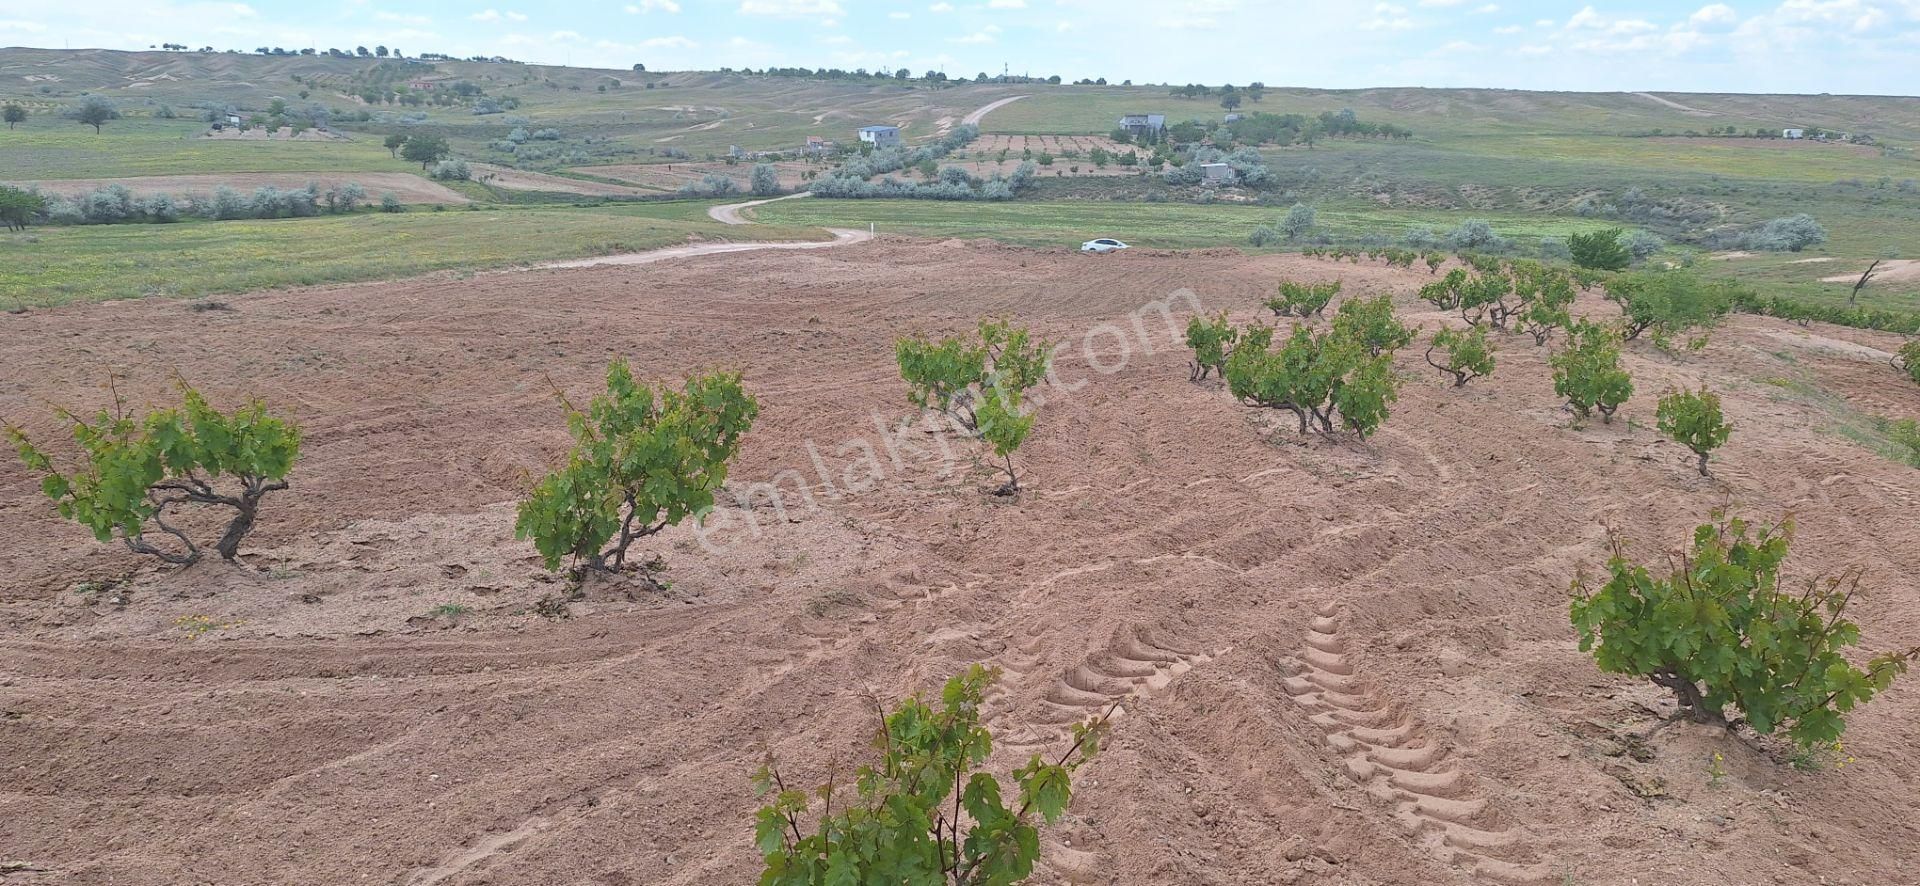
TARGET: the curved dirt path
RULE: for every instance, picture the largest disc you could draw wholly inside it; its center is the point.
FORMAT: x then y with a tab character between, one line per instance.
975	117
1675	105
726	214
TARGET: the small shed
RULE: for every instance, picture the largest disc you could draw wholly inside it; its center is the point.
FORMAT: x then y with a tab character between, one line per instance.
1144	127
1233	118
1215	173
1793	133
880	136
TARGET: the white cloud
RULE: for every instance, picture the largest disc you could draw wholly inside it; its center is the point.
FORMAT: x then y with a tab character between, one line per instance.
645	6
495	15
1508	29
402	19
984	35
1443	4
1488	9
1387	17
1461	46
1717	15
899	16
10	24
836	39
791	8
941	7
674	42
565	37
1006	4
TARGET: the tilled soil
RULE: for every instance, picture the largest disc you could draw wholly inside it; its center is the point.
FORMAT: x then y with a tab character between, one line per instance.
1341	662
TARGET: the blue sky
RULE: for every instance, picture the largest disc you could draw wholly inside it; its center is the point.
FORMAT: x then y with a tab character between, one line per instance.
1865	46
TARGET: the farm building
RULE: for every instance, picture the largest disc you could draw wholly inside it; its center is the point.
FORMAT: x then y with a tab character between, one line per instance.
817	146
1793	133
1233	118
880	136
1144	127
1215	173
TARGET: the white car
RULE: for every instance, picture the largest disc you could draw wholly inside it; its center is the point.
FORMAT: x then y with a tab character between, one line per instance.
1102	246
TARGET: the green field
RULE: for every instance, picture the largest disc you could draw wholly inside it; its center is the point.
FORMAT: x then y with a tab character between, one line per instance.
56	265
1151	225
48	147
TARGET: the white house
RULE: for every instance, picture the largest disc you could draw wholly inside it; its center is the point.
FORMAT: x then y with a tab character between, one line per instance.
1793	133
1215	173
880	136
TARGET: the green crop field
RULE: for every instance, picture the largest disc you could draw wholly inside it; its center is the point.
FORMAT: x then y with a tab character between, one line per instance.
49	147
56	265
1153	225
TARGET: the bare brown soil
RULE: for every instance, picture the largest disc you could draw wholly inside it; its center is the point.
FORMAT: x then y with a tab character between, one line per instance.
407	187
315	719
1893	270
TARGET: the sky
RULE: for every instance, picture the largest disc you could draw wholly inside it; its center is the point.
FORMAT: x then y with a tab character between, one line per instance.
1803	46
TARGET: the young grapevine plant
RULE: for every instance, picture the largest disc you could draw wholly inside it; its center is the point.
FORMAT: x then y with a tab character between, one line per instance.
979	385
1716	627
642	460
1371	323
136	473
1694	420
1210	338
1907	360
1315	376
1469	355
924	813
1303	299
1587	372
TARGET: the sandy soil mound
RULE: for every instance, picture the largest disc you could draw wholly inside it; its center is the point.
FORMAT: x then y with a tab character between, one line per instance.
373	699
1893	270
406	186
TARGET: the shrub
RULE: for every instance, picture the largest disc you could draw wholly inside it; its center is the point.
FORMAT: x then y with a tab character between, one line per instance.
1371	324
1670	303
1302	299
1485	297
712	184
1907	360
904	820
1600	250
1314	376
1469	355
1587	372
1477	235
765	181
1643	245
1209	337
1420	237
1263	236
1299	221
1790	234
18	208
1716	628
978	384
1694	420
1546	297
452	170
643	459
390	203
135	473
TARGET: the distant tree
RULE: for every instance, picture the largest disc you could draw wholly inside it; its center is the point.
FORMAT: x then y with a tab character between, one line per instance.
1299	221
94	110
14	114
393	144
765	182
380	51
424	149
361	51
18	207
639	68
1600	250
1230	101
1256	90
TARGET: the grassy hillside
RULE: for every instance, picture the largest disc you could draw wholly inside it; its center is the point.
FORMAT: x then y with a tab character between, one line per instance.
56	265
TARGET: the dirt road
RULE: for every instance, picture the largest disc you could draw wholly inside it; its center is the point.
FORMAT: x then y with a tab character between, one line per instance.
980	114
374	702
